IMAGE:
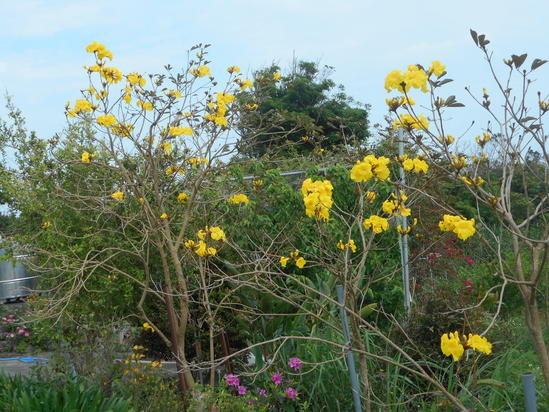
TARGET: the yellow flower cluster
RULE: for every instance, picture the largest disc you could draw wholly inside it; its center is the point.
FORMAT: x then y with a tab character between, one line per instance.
351	245
136	79
146	326
276	76
459	162
233	69
417	164
201	71
437	68
395	206
300	262
122	129
175	94
118	195
200	247
409	122
414	77
111	74
145	106
317	198
100	50
195	161
167	146
239	199
370	196
376	223
107	120
473	181
463	228
395	102
182	197
369	167
448	139
46	225
481	141
244	84
87	157
181	130
80	106
220	109
452	345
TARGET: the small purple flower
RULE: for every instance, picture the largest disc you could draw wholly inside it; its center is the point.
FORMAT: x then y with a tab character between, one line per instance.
295	363
277	378
242	390
291	393
232	380
262	392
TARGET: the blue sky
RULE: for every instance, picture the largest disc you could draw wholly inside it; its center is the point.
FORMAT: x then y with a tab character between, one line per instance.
42	48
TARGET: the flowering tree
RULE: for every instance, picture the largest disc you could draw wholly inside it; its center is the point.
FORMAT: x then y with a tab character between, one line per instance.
514	132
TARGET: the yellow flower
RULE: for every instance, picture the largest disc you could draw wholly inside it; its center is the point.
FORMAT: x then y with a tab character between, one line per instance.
122	129
376	223
245	84
167	146
251	106
317	198
118	195
100	49
107	120
141	200
341	245
176	94
408	122
239	199
351	245
389	206
276	76
111	74
463	228
402	231
450	345
147	326
145	106
201	71
83	105
420	165
233	69
190	244
369	167
156	363
164	216
393	80
481	141
203	250
46	225
300	262
284	261
86	158
136	78
448	139
178	131
216	233
459	162
479	343
225	98
370	196
437	68
127	96
182	197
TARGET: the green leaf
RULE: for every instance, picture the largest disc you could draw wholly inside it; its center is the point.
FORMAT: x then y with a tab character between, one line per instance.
491	382
474	36
537	63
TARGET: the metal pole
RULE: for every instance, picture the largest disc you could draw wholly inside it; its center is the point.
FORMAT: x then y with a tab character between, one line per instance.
403	239
350	358
529	392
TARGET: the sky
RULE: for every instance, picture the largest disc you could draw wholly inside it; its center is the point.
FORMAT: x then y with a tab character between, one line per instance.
42	46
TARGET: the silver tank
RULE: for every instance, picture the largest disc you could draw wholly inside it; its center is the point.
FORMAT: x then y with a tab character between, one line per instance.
15	280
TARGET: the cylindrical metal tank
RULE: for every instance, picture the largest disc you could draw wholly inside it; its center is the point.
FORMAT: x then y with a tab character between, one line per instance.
15	280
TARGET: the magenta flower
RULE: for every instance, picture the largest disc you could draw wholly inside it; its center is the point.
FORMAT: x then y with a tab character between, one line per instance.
468	283
11	315
469	260
277	378
291	393
242	390
295	363
262	392
232	380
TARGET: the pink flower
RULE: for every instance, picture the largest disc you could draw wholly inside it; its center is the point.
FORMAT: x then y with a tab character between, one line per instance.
11	335
11	315
242	390
469	260
468	283
291	393
295	363
4	323
27	334
232	380
262	392
20	331
277	378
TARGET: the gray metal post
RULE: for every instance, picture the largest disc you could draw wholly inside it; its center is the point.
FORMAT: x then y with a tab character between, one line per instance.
350	358
529	392
403	239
